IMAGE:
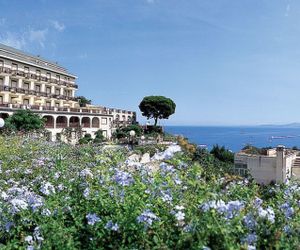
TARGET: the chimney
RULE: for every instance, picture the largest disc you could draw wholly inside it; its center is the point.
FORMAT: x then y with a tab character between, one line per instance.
280	164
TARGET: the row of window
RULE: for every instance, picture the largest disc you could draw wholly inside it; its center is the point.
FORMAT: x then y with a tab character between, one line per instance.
26	101
37	88
15	67
123	118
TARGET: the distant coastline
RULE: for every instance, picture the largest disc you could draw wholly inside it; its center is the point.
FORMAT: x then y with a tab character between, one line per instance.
236	137
288	125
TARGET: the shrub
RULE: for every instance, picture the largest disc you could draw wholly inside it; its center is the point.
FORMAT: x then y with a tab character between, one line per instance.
222	154
99	137
24	120
136	128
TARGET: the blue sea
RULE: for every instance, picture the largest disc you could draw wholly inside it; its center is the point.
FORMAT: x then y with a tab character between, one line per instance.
235	138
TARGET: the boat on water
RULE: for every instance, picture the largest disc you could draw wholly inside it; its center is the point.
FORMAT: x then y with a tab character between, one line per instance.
283	137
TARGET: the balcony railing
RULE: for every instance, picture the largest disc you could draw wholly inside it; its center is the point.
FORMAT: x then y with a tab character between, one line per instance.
36	93
61	125
34	76
4	105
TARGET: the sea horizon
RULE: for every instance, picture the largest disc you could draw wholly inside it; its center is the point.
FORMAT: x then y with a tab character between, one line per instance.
235	138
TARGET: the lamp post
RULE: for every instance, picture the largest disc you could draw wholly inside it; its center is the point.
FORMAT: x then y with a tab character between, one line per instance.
2	123
143	139
131	138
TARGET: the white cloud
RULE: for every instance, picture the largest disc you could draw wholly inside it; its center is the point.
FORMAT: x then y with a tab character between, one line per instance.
29	37
2	21
83	55
287	10
38	36
14	40
58	26
20	40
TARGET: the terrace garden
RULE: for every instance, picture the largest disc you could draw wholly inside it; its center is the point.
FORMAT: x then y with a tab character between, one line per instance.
58	196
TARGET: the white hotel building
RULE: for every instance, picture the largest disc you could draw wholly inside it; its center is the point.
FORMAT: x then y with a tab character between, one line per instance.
30	82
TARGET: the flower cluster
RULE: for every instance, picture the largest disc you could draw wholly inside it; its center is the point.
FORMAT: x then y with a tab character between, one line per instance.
97	195
147	218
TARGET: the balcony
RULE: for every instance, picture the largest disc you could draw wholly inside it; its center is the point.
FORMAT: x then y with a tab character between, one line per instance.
36	93
34	76
48	108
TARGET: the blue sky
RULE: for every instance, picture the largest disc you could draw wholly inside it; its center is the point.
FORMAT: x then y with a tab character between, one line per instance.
224	62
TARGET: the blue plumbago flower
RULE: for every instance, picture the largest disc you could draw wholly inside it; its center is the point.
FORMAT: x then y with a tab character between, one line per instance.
166	196
8	226
182	165
123	178
177	180
249	221
39	162
165	168
267	213
287	209
287	229
60	187
86	173
233	207
122	195
37	235
86	192
258	202
112	226
47	188
188	228
18	205
147	217
250	239
229	210
35	201
92	218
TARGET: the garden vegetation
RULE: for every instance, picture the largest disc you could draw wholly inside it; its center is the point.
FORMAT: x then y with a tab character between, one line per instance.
58	196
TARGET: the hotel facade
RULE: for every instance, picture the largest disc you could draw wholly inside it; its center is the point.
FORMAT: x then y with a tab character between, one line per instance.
30	82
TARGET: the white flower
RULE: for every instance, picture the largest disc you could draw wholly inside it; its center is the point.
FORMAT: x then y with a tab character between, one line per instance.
18	205
180	216
56	175
167	154
46	212
29	239
4	196
267	213
47	188
86	173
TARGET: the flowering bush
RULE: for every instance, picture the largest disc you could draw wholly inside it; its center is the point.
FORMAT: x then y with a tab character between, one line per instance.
57	196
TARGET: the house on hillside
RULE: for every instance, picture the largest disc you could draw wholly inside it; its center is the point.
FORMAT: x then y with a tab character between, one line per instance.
270	165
